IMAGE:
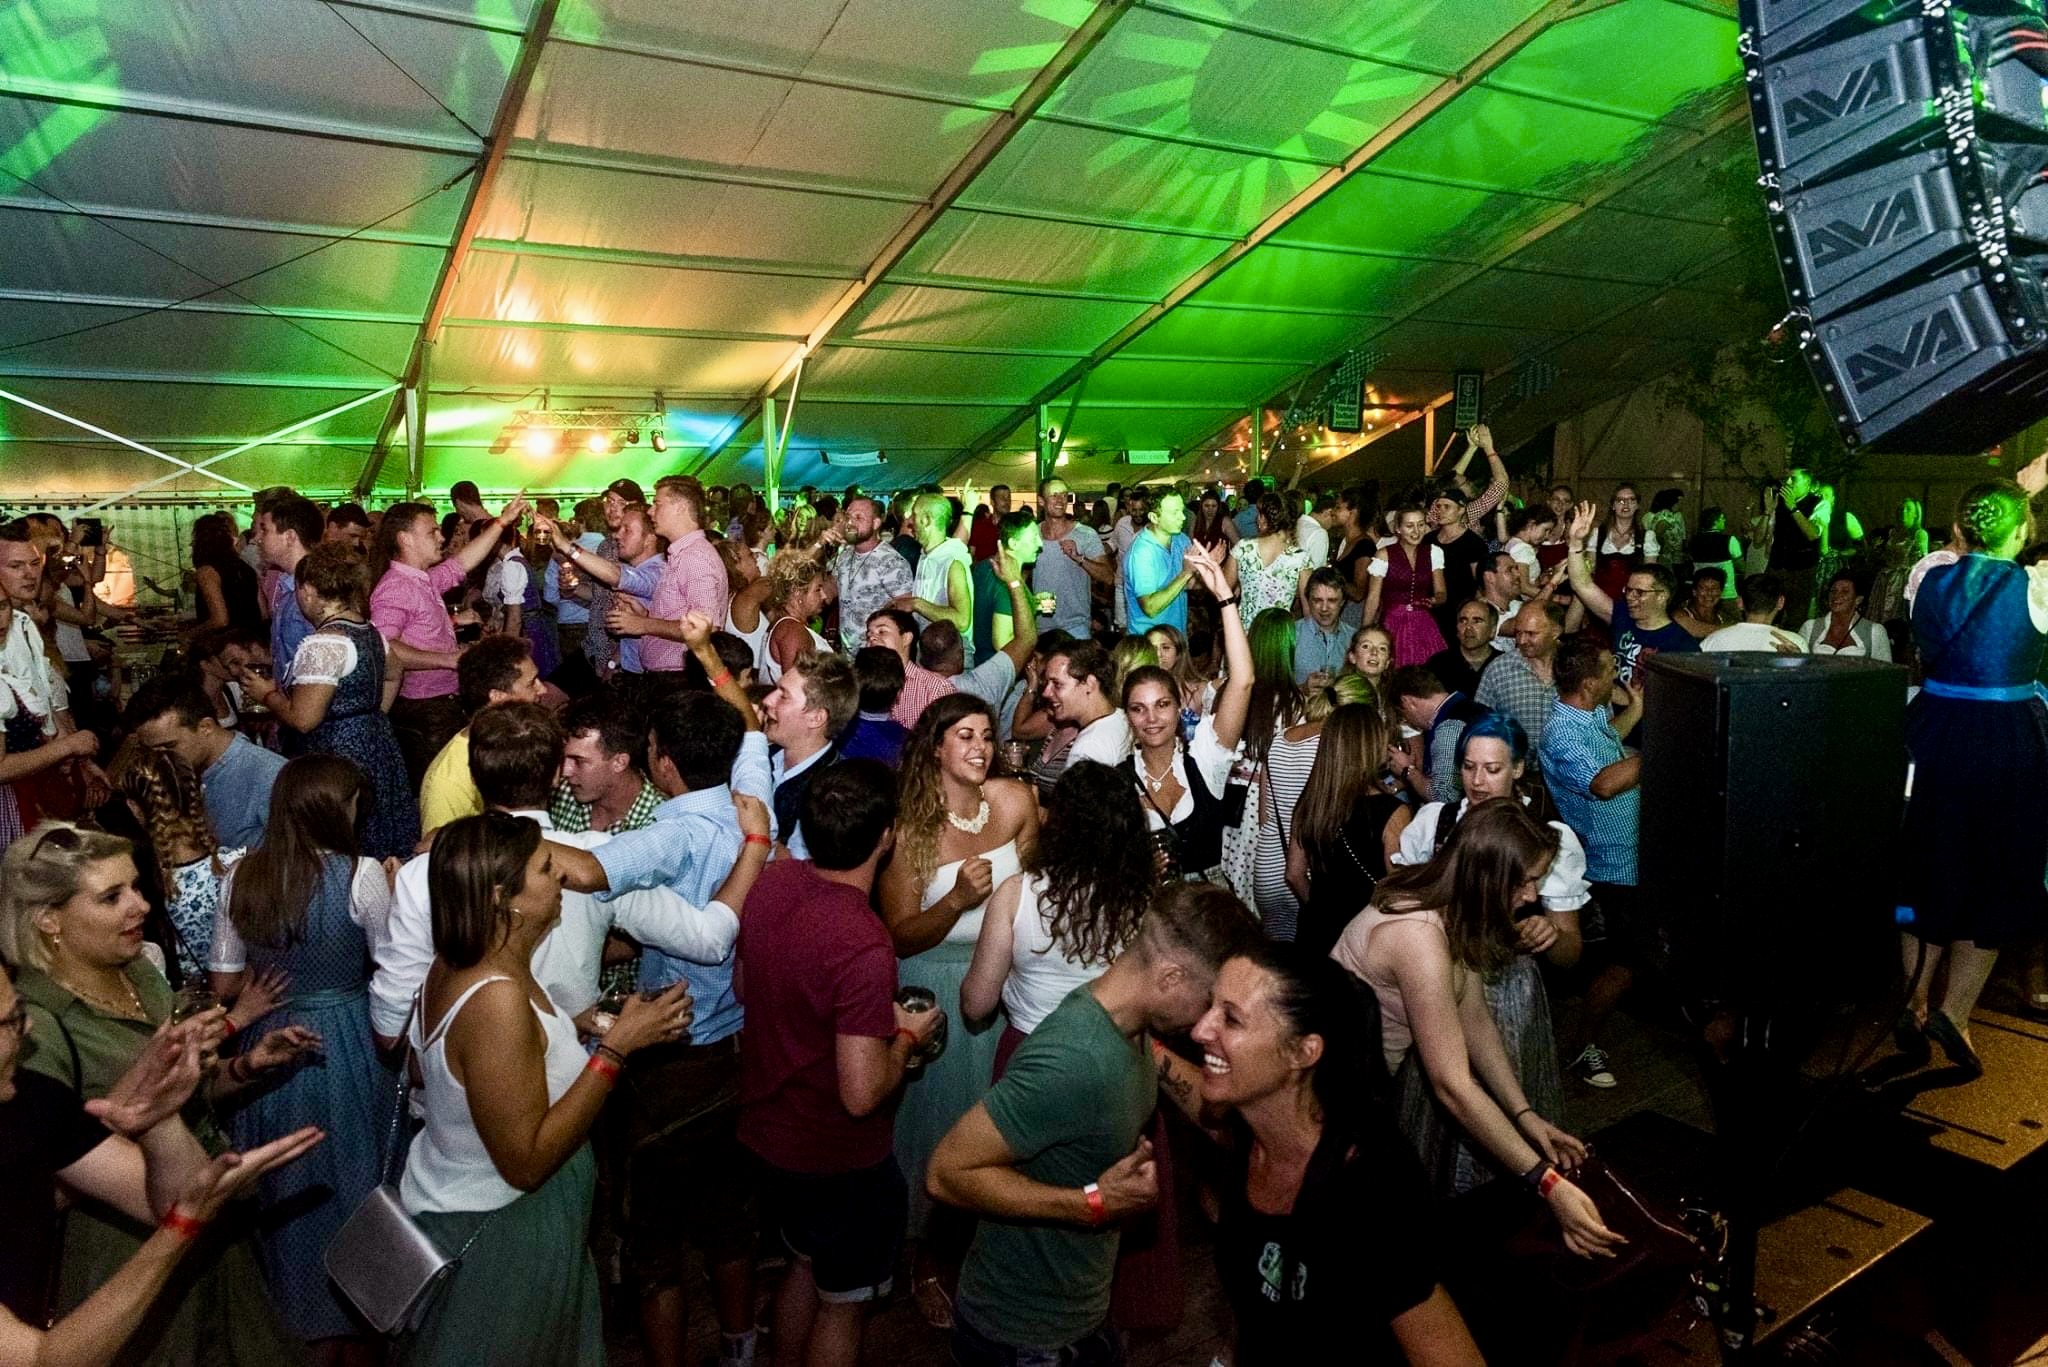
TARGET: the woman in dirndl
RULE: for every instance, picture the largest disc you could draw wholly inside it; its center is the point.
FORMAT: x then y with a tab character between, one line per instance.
1976	829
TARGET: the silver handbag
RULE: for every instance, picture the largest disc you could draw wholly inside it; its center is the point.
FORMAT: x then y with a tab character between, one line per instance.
387	1266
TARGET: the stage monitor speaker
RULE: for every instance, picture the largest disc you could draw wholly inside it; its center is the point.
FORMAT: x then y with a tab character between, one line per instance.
1772	792
1904	149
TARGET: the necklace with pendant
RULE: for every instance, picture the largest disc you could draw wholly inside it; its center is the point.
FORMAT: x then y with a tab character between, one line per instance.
1157	781
973	825
133	1008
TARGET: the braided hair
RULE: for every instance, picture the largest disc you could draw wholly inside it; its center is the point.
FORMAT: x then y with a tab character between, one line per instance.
1989	513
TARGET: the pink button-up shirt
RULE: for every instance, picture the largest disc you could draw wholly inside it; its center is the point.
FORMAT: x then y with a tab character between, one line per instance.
921	688
406	607
693	580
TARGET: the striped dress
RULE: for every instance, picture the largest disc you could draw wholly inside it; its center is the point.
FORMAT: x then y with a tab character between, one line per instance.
1288	763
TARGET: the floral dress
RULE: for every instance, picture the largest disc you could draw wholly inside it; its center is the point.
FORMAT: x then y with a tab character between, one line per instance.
1261	586
192	896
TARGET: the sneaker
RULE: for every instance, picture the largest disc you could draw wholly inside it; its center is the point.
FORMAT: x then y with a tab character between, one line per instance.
1590	1067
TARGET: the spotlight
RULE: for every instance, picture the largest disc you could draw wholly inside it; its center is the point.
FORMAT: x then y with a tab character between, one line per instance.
598	443
538	441
658	439
632	436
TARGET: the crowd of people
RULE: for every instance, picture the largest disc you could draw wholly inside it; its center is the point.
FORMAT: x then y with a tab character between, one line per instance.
917	895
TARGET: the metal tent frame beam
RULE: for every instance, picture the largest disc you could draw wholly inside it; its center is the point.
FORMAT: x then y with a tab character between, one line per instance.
1527	239
993	140
185	467
511	101
1439	96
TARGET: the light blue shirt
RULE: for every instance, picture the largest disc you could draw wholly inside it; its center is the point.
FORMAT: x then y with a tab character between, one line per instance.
1149	567
639	580
236	788
1316	649
1577	745
570	611
288	627
691	848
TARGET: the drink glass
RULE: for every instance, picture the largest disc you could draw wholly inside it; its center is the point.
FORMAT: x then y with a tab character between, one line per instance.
192	1001
917	1001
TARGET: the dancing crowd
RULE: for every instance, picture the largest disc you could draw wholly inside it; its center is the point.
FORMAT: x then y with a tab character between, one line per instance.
916	896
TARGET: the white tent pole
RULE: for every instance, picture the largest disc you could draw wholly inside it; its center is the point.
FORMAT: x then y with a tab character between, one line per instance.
185	467
250	445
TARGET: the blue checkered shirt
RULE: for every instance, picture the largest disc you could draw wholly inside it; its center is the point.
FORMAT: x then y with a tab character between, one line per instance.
1577	745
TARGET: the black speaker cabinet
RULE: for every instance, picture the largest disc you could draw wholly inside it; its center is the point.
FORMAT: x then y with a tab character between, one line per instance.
1772	792
1903	145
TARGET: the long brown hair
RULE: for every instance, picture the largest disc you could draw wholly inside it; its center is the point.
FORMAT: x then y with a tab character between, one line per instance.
310	819
1095	858
1472	881
921	801
1349	759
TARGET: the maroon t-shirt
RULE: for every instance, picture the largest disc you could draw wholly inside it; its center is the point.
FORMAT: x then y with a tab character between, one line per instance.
814	963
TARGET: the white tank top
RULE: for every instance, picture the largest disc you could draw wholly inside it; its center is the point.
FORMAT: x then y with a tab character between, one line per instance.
1002	864
448	1168
765	669
754	638
1041	974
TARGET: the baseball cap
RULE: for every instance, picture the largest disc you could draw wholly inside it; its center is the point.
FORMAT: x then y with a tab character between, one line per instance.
626	489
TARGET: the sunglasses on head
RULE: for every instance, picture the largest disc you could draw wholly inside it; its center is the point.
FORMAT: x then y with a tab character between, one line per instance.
64	838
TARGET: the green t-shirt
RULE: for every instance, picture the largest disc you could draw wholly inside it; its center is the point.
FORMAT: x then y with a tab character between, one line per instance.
1074	1100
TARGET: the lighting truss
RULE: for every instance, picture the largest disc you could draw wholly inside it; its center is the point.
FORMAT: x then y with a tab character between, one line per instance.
544	431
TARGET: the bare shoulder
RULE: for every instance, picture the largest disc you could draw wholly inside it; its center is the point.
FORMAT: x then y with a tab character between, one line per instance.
1009	798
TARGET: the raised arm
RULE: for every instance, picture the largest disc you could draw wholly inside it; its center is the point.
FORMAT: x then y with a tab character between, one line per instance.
594	568
1023	611
1233	698
1591	594
481	548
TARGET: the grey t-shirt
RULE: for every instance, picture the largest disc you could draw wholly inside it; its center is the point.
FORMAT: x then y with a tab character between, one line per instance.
1058	574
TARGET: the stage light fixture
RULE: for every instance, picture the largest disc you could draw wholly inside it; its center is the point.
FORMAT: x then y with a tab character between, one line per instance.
632	435
658	439
539	441
598	443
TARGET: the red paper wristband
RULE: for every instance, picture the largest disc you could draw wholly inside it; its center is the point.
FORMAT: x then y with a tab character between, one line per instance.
228	1027
907	1035
603	1067
1097	1211
724	678
756	838
1547	1181
184	1226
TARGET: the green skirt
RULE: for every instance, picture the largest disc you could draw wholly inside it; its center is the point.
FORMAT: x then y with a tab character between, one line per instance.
214	1311
526	1293
946	1090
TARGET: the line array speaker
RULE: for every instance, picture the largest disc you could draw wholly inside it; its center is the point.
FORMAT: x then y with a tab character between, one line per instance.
1904	149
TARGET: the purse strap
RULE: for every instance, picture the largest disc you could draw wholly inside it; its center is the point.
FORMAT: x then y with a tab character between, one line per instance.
387	1172
385	1168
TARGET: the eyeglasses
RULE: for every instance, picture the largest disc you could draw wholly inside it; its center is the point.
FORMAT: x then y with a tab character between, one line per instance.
1639	593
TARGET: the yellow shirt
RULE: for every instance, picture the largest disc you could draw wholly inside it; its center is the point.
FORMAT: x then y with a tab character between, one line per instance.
448	792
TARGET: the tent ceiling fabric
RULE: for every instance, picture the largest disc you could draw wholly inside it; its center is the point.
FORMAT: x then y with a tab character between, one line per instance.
222	217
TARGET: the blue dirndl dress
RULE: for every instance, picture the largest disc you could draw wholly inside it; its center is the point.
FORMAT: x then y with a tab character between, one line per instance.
1976	831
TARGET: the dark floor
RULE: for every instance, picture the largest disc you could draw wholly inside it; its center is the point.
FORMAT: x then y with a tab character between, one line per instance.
1655	1068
